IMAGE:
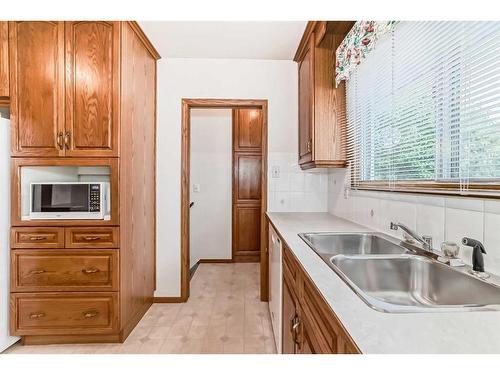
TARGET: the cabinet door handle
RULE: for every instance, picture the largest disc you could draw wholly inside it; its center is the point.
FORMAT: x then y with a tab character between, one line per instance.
295	334
91	238
309	146
89	271
37	272
90	314
37	315
37	238
67	138
60	144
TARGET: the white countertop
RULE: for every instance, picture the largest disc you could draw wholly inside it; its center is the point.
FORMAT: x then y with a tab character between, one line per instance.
378	332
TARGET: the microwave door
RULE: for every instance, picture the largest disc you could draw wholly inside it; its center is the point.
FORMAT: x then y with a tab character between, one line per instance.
64	201
60	198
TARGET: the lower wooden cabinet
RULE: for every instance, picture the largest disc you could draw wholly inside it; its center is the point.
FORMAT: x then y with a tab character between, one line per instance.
309	324
64	270
64	313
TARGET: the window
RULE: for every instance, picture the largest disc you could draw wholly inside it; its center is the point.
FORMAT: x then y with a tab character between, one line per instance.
423	110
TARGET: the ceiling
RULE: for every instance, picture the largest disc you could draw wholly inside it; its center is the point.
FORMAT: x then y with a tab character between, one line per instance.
225	40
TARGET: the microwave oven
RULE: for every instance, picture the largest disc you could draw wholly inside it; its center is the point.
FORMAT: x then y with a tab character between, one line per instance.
69	200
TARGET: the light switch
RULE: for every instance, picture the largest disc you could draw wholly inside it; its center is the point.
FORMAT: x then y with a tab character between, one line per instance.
196	188
275	171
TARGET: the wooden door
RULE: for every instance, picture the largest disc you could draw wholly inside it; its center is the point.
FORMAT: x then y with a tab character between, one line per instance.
306	100
247	189
4	60
92	62
36	52
289	315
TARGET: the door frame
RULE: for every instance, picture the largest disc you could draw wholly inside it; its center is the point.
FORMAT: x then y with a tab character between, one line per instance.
187	105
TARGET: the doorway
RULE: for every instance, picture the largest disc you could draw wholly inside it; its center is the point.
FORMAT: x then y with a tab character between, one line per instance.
249	199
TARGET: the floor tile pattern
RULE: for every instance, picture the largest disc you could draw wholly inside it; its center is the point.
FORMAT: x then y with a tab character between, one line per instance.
224	314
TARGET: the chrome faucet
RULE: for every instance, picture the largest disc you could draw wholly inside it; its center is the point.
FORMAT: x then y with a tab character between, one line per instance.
425	241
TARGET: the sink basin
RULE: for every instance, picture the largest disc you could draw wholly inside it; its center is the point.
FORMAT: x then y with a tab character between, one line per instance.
391	278
328	244
410	283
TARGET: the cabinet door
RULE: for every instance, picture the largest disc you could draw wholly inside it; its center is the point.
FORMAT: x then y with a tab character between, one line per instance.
306	99
289	316
36	50
92	53
4	60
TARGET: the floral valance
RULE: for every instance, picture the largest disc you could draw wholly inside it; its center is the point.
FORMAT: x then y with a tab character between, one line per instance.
358	43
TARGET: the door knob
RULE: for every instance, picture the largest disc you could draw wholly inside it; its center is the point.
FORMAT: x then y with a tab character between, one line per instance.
191	204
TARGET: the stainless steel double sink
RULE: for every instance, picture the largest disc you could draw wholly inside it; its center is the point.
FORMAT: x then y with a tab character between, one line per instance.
391	277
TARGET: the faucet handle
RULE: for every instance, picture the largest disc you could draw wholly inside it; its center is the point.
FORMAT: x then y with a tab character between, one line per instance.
428	240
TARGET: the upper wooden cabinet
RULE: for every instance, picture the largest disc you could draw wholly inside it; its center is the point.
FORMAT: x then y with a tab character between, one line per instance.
4	62
36	87
92	88
322	119
64	81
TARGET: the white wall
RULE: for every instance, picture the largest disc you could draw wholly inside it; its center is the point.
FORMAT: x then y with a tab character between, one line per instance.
211	169
274	80
444	218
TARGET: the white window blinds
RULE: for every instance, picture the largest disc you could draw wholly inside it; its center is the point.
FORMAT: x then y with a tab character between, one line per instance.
423	108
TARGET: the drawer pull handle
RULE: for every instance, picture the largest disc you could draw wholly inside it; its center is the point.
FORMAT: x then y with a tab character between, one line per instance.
37	272
89	271
38	238
91	238
90	314
37	315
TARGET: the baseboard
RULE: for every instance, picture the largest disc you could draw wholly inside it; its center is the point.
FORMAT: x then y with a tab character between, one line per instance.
69	339
215	261
169	299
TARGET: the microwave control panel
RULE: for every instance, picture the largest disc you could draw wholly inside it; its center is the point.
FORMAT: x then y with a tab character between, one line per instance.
95	198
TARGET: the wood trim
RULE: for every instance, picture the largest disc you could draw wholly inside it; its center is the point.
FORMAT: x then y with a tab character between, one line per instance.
4	59
69	339
304	41
476	190
169	299
323	164
215	261
144	39
186	105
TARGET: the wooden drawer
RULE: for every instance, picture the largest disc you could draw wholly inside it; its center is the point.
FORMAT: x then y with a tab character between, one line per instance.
64	313
63	270
41	237
92	237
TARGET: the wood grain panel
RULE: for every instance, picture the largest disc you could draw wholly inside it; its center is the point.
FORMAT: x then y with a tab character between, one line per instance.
92	91
247	129
247	171
289	312
306	98
91	237
38	237
137	227
64	313
4	59
246	233
36	50
64	270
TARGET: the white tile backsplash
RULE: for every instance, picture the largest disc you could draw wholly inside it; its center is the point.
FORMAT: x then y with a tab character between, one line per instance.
443	218
295	190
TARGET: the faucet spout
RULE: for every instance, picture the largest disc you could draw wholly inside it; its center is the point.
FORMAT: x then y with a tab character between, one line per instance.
424	241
